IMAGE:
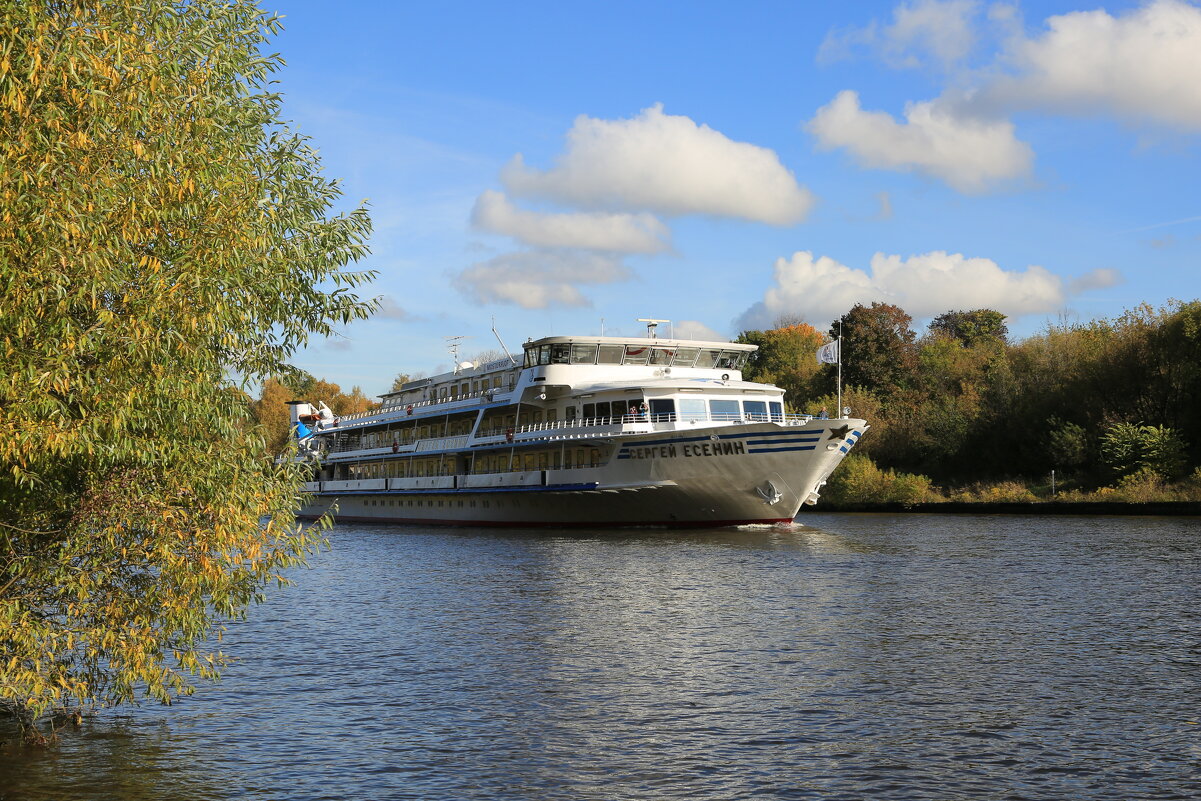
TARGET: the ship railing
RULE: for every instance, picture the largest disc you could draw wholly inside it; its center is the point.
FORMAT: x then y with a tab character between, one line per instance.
487	395
577	428
582	427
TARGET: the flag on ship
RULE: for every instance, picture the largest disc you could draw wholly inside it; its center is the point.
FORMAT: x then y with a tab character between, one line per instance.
828	353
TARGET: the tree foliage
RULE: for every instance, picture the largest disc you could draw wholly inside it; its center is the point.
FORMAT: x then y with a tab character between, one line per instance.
162	232
963	404
785	358
971	328
877	346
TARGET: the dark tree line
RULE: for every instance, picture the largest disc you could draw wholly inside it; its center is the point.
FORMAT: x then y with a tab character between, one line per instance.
961	402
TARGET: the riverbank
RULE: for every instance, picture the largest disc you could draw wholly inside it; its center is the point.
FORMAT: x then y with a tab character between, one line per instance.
1173	508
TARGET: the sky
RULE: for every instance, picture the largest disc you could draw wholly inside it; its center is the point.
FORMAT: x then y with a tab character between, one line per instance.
565	168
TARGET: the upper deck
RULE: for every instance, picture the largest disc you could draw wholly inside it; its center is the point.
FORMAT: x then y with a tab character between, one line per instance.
637	352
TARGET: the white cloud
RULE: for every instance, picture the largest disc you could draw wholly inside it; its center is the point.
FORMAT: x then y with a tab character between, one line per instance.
1145	64
628	233
389	309
885	212
925	285
941	29
540	278
667	164
1095	279
968	153
693	329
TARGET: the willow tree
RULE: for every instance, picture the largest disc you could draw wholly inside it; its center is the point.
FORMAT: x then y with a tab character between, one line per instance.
164	238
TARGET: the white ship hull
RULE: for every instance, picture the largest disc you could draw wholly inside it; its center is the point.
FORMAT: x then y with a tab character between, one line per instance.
752	473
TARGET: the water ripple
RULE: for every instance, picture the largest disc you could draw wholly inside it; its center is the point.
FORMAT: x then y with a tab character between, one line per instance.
864	656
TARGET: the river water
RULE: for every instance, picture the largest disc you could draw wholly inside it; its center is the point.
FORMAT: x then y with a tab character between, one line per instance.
855	657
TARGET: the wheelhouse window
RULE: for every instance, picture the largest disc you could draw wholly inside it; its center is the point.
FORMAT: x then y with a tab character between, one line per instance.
637	354
777	411
731	360
661	355
707	359
583	354
685	357
560	354
611	354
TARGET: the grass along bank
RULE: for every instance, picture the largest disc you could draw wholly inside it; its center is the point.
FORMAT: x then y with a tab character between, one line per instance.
859	483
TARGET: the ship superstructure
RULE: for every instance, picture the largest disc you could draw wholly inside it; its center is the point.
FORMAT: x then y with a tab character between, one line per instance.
580	430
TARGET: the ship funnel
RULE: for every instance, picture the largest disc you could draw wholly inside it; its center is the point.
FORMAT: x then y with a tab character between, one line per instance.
301	408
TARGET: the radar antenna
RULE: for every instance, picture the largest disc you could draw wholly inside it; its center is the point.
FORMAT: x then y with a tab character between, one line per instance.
651	325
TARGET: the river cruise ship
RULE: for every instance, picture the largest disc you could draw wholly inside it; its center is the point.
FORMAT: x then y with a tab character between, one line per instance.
581	431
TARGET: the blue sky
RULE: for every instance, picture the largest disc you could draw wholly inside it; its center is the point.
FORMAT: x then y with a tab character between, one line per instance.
722	165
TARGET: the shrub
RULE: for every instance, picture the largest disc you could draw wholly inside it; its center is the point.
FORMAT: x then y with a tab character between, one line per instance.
858	480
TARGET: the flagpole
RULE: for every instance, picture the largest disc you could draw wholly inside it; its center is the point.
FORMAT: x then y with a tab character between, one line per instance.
839	369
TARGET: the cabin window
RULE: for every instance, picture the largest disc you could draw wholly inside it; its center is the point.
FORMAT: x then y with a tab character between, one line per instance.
464	389
637	354
685	357
610	354
692	409
663	411
583	354
551	415
661	355
569	413
755	410
724	410
589	410
707	359
602	411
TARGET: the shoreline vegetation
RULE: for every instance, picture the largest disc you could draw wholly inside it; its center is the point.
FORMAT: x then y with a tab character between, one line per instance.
860	485
1084	508
1088	415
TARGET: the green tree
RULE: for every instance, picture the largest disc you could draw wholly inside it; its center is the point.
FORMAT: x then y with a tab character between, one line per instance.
1129	448
162	231
786	358
971	327
878	350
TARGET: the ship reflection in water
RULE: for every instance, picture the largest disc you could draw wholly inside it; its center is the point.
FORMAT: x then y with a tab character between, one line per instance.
864	656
